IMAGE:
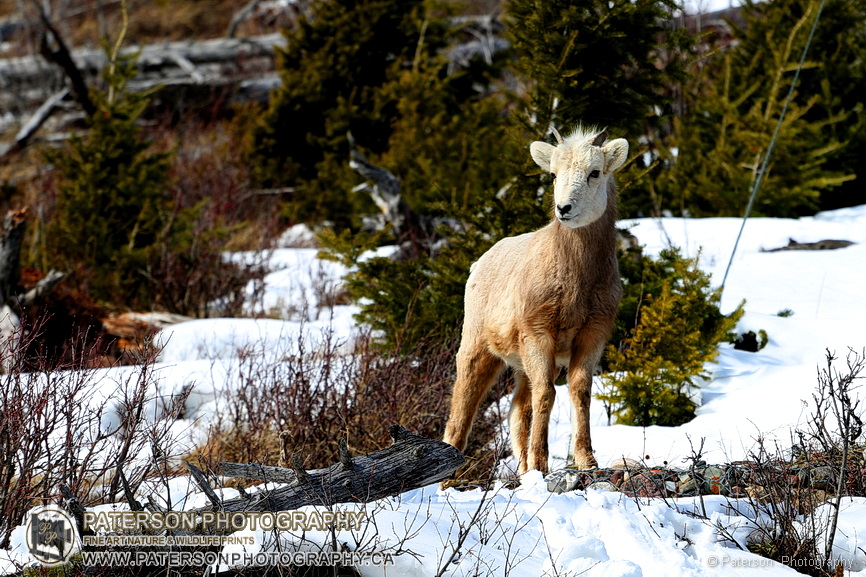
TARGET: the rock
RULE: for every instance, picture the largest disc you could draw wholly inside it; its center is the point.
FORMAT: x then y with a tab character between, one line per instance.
645	485
688	486
823	478
751	342
806	501
627	464
736	476
739	492
757	493
564	480
714	478
602	486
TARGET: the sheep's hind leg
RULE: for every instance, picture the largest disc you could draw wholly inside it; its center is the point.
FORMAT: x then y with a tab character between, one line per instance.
519	419
477	370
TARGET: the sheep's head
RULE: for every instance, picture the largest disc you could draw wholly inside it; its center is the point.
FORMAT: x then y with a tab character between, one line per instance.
581	166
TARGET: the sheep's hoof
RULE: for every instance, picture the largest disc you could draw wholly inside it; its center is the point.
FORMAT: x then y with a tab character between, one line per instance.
585	461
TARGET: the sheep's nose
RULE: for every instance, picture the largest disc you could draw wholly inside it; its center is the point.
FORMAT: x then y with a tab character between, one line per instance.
564	209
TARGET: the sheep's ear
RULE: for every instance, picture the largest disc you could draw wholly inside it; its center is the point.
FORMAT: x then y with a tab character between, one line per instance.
541	152
615	153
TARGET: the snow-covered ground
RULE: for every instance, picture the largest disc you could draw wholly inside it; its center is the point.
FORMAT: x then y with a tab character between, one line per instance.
529	531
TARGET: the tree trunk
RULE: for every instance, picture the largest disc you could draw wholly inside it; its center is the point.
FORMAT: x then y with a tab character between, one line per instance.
14	224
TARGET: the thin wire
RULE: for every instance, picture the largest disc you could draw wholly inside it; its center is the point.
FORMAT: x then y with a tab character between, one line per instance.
766	160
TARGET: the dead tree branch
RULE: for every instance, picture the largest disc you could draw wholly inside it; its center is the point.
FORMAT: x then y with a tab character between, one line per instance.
63	58
241	15
415	232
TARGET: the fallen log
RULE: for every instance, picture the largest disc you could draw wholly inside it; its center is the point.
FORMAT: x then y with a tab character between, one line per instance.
826	244
37	119
28	81
412	461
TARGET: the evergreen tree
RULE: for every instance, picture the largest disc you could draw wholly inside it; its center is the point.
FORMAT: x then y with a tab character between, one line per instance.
447	136
111	197
617	45
611	64
596	61
832	84
735	106
332	69
446	149
669	326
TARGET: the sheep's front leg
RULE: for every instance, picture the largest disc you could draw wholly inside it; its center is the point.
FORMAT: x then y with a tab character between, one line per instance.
584	359
539	364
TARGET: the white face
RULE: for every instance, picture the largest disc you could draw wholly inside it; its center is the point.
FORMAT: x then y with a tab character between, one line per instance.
581	172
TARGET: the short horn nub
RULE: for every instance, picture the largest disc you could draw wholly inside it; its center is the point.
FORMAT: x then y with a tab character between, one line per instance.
556	134
599	140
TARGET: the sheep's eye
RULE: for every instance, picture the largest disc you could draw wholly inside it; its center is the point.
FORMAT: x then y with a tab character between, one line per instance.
594	174
553	176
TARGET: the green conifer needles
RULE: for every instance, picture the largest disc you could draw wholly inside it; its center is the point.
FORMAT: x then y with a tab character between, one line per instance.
678	329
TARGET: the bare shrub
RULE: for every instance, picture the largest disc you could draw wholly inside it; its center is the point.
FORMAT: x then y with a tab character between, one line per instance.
304	403
795	495
217	212
207	209
67	425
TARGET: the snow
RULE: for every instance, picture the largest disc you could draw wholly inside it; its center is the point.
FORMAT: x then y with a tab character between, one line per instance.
529	531
709	6
765	394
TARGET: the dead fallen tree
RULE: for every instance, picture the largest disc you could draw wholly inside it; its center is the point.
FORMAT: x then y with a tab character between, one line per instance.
826	244
412	461
30	81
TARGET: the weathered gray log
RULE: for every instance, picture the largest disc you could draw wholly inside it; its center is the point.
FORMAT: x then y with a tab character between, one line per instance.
11	236
28	81
201	481
128	493
74	506
826	244
241	15
152	58
37	119
412	461
44	286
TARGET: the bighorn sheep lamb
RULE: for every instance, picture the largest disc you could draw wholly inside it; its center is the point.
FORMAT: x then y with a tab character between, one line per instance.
544	300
